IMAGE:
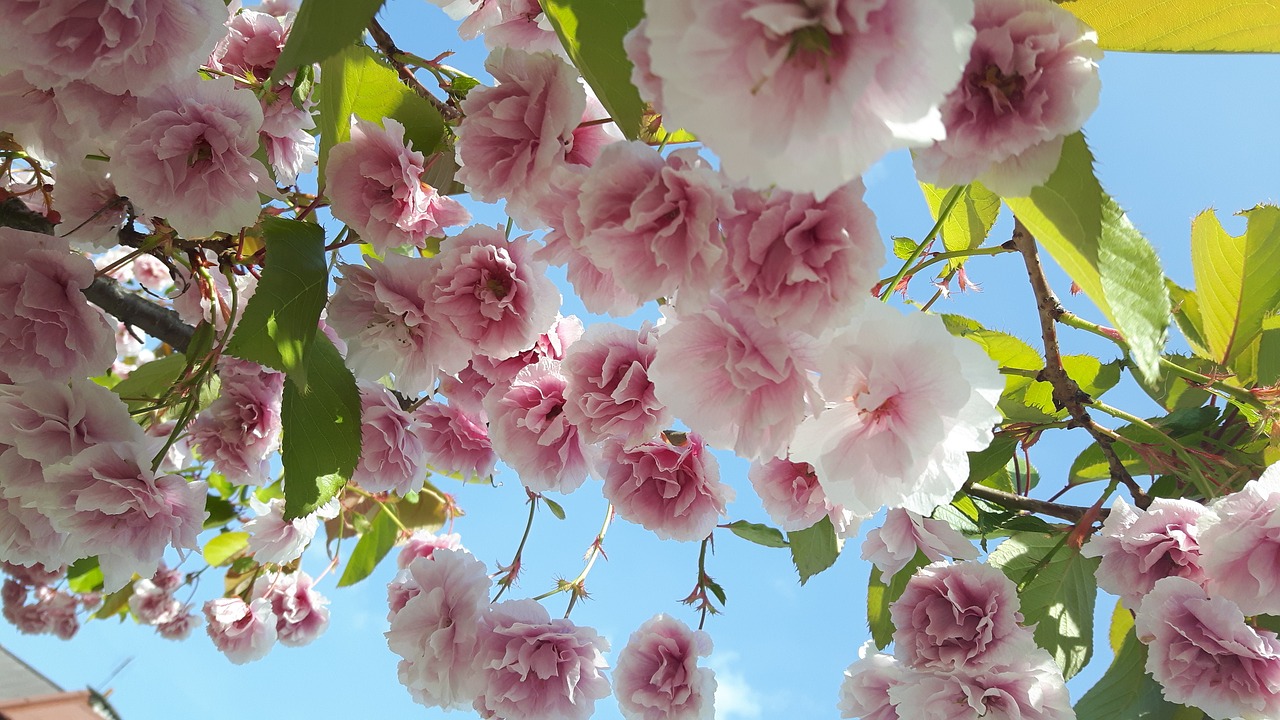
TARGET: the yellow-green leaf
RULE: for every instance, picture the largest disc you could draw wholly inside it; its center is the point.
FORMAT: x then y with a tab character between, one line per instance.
1133	285
1121	623
1182	25
592	31
222	548
970	219
322	28
1237	281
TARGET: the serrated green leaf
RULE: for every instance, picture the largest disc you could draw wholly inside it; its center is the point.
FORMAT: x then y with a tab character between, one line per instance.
1186	313
1182	25
991	459
322	28
280	320
149	382
1126	692
84	576
1092	375
373	546
1133	285
220	512
1121	625
320	443
716	590
591	32
222	547
1236	280
1172	391
757	533
1058	599
814	549
1259	363
356	82
881	595
970	220
904	247
1024	399
554	507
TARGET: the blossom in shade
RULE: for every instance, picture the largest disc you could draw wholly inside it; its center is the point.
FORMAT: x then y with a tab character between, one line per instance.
792	495
652	221
1203	653
657	676
456	440
951	617
190	160
801	262
523	26
252	44
535	667
244	632
180	627
301	613
374	182
807	95
670	485
48	331
424	544
1139	547
37	120
272	539
385	315
393	449
904	533
491	295
864	692
291	150
92	211
1240	545
153	605
609	391
26	535
1029	687
1031	80
48	422
531	433
436	631
241	429
197	300
905	402
119	45
741	385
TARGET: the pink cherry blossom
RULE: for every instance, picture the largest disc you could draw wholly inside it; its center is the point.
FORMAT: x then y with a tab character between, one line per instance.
291	150
1029	687
48	331
657	676
180	627
197	300
522	26
456	440
151	273
535	667
792	495
476	15
807	95
437	630
118	45
191	160
958	616
272	539
1139	547
864	692
551	345
279	8
609	391
424	544
26	534
393	449
671	487
49	422
241	429
36	119
636	45
301	612
491	295
153	605
904	533
243	632
385	314
800	262
531	433
53	612
1031	80
1203	653
98	118
905	400
652	222
741	385
374	182
122	511
92	211
252	44
1240	546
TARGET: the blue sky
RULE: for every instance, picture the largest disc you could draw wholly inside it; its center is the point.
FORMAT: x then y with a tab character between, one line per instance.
1173	135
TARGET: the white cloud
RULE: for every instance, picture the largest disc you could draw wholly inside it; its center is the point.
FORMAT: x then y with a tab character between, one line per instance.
735	697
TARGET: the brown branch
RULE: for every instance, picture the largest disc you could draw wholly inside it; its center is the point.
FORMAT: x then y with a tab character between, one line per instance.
383	40
1070	513
1066	393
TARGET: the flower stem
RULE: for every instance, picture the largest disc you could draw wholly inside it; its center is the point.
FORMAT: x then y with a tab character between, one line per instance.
953	195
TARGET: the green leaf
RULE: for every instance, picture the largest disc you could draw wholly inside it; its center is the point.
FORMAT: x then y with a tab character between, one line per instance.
1059	596
991	459
814	549
1024	399
1126	692
1186	312
423	510
1065	217
1093	377
970	220
591	31
280	320
220	512
757	533
116	603
1121	625
1172	391
1133	284
1182	25
356	82
904	247
148	383
554	507
1236	280
880	596
1259	363
320	445
322	28
373	546
84	576
222	548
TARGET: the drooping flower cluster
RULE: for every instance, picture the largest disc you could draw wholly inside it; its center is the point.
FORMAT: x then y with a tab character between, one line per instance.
282	607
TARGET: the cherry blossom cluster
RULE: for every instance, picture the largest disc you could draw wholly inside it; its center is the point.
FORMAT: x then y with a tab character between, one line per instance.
153	603
281	606
960	651
511	660
1191	574
35	605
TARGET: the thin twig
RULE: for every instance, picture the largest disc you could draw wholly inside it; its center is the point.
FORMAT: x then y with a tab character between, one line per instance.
1070	513
383	40
1066	393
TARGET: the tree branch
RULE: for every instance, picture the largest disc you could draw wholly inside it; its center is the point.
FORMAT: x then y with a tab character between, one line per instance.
1070	513
1066	393
383	40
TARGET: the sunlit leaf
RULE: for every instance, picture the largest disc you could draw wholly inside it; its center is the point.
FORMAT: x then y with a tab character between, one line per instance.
970	219
881	595
1237	284
814	549
757	533
1133	284
1182	25
223	547
322	28
373	546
